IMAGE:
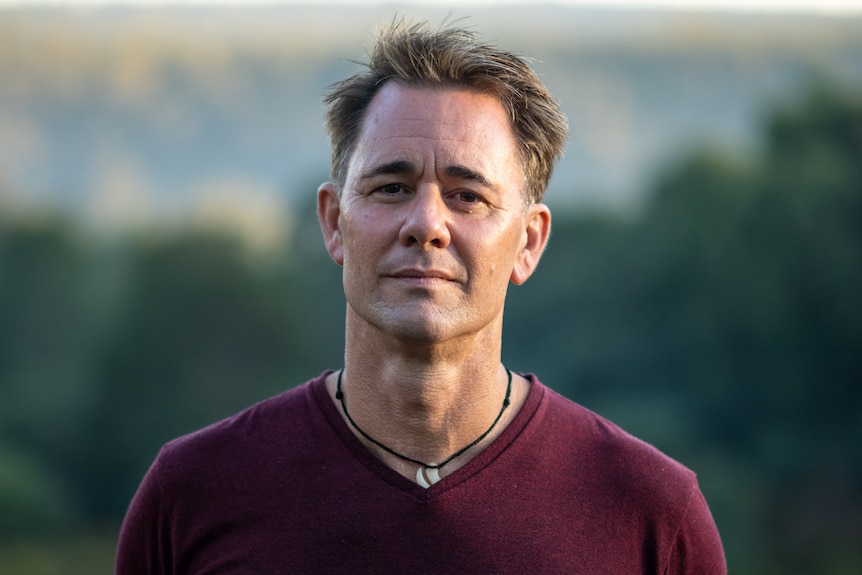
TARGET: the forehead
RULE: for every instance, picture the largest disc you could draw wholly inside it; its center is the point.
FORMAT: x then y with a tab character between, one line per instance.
440	125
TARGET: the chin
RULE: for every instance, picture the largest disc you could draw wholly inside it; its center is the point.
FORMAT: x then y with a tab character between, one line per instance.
424	325
418	332
420	329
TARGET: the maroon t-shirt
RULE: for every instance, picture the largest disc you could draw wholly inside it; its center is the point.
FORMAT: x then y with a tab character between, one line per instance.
285	487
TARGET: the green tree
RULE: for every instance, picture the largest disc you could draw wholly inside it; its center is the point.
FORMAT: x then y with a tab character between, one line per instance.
204	331
48	333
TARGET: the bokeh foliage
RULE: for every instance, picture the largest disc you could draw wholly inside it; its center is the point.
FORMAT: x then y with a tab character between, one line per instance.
722	322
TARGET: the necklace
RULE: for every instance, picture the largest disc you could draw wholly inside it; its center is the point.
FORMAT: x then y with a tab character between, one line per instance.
428	473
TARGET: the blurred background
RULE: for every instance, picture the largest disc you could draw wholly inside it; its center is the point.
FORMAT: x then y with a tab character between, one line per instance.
161	265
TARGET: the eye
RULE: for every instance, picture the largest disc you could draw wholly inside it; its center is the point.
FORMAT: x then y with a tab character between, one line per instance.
469	197
390	189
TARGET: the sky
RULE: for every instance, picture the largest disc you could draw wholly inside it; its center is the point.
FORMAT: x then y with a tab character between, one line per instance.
814	6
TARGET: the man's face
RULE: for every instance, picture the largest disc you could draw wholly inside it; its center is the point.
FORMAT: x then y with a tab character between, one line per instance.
432	224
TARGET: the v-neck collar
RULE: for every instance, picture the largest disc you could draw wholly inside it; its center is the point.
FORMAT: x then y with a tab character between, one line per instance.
376	466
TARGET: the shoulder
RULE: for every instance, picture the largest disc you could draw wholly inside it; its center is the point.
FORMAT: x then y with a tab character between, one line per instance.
281	419
202	479
604	453
649	495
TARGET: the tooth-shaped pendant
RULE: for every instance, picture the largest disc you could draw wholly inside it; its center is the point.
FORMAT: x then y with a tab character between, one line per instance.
427	476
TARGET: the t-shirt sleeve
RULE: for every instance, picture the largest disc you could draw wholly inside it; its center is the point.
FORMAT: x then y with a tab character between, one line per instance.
697	548
144	542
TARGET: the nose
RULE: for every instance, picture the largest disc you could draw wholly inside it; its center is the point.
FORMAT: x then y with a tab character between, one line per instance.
426	224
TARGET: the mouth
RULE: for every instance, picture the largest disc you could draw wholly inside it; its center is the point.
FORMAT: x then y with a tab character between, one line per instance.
421	274
422	277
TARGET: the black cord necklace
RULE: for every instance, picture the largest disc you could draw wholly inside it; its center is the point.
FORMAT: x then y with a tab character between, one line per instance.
428	473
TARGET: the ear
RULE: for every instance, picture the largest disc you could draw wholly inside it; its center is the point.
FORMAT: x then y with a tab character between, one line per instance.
536	232
329	213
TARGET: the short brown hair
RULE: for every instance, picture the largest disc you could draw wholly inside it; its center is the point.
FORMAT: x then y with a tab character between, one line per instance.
416	55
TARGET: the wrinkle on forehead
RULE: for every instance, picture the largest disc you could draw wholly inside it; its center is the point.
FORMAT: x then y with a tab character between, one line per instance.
453	132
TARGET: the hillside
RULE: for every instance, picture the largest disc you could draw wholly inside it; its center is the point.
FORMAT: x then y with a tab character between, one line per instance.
129	115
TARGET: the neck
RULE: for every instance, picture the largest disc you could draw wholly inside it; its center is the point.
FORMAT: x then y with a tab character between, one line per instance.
419	392
426	402
425	415
429	466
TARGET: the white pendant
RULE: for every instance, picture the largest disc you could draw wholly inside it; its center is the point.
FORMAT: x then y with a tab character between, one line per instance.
427	476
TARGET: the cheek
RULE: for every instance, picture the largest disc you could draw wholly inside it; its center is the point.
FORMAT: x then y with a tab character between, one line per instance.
498	249
366	238
492	263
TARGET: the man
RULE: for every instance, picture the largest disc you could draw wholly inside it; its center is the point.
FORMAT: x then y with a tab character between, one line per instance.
424	454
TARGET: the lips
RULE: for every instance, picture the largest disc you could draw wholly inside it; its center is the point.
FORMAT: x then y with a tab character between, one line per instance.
422	274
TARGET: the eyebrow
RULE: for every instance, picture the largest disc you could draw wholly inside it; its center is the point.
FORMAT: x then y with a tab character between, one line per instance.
464	173
400	167
391	168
